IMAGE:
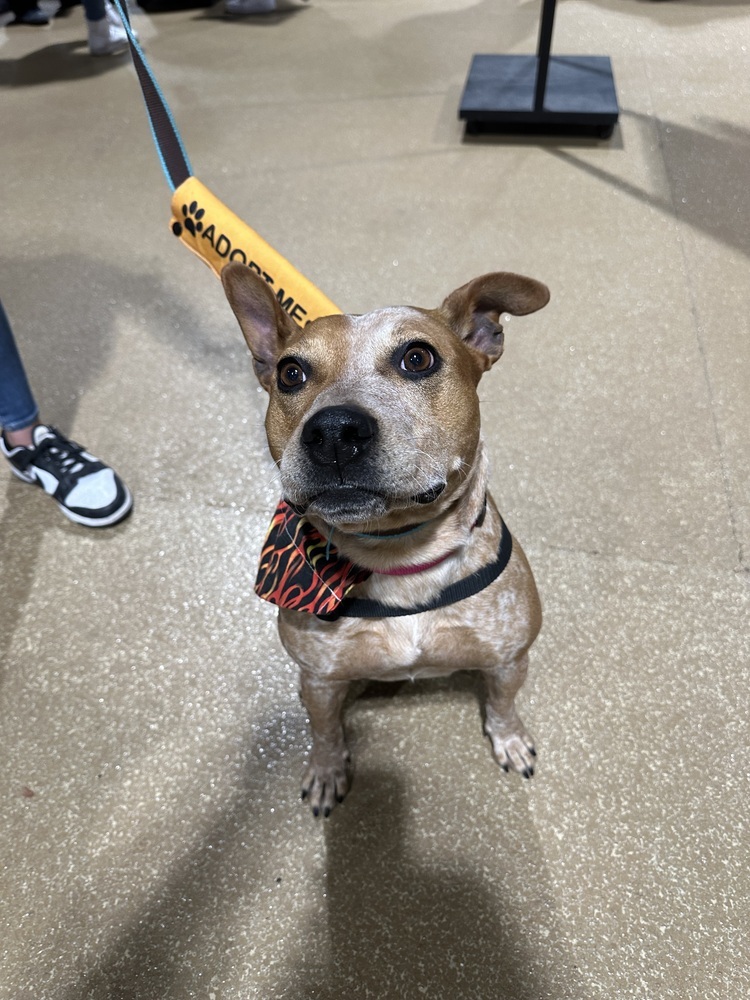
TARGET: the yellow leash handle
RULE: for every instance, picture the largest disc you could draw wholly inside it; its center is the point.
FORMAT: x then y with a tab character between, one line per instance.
203	223
207	227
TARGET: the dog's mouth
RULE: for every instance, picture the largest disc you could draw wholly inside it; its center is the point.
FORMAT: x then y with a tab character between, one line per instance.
354	504
429	496
341	504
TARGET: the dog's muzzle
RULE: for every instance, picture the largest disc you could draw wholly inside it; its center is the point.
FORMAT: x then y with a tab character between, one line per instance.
342	479
338	436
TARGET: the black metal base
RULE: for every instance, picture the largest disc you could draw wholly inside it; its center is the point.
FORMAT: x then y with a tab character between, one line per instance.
579	98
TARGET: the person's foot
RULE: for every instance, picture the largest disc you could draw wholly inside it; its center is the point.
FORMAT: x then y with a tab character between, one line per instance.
86	490
240	8
107	37
35	17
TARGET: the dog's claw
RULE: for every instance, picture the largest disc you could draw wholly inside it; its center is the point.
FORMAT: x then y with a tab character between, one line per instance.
325	786
514	750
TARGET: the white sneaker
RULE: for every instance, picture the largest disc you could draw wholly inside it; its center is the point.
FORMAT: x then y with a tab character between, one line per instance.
107	37
114	18
240	8
86	490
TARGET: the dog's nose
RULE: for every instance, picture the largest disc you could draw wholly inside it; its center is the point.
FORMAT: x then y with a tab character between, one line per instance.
338	435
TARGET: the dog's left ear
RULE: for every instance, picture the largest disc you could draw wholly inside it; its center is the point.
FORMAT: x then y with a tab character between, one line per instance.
473	311
263	322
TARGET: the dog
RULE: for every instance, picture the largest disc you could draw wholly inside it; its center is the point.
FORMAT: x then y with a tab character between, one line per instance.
388	557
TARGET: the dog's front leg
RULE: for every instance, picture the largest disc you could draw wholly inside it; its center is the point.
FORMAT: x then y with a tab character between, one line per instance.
511	744
326	781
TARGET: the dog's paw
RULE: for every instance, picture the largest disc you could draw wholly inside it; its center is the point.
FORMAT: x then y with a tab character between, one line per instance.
324	786
512	746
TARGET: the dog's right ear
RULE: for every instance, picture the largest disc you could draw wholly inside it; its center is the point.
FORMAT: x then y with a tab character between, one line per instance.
264	323
473	310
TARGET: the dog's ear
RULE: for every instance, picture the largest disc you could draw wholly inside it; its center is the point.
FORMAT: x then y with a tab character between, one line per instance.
473	311
264	323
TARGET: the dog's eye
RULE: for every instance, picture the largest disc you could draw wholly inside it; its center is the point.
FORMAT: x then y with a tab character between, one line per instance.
418	359
291	375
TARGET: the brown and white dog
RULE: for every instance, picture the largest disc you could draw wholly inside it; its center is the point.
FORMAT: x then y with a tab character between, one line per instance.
373	421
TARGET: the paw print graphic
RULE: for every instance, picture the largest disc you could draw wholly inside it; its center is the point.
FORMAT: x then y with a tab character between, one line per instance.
192	219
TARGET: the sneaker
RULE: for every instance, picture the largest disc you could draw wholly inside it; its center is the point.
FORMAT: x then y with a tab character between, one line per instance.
107	37
86	490
113	15
240	8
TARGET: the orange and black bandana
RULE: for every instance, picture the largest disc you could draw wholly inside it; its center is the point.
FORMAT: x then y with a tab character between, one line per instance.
299	568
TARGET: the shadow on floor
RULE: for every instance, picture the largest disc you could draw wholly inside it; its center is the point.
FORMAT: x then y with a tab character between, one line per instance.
707	172
66	328
403	926
57	380
676	14
162	950
690	11
59	61
398	924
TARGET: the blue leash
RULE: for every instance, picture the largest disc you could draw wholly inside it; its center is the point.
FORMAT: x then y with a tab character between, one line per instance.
172	155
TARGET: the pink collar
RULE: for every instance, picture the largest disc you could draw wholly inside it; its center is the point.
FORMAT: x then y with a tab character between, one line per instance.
422	567
408	570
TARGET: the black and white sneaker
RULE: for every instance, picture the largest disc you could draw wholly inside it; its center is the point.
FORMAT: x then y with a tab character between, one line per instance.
85	489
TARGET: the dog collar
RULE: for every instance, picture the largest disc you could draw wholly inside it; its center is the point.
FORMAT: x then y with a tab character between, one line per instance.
360	607
419	568
423	567
300	570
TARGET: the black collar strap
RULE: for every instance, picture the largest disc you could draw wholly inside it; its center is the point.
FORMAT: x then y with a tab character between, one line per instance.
358	607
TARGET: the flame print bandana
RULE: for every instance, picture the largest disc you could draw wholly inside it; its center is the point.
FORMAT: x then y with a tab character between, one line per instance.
300	570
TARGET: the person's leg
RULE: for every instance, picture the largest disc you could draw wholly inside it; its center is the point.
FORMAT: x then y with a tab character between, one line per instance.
18	409
95	9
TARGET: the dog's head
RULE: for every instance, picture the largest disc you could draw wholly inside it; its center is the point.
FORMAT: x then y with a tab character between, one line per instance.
374	419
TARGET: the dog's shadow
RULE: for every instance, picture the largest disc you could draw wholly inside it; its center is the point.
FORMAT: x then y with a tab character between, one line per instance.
411	910
408	922
413	905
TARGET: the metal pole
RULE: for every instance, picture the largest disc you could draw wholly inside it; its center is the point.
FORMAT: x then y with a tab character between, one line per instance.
542	58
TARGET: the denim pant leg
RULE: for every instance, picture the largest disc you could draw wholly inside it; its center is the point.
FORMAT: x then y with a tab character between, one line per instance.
94	9
17	405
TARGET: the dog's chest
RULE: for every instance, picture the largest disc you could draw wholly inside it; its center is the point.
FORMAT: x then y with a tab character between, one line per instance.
421	647
412	647
405	648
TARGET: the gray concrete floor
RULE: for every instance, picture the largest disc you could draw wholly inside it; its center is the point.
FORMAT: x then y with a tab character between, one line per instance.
153	841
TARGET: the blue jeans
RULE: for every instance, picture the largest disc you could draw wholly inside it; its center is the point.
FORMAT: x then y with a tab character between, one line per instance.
17	405
94	9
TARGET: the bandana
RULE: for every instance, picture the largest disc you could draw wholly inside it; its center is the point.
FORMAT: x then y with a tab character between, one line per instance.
299	568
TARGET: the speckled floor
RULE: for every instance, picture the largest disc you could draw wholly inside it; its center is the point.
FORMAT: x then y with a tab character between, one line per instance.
153	844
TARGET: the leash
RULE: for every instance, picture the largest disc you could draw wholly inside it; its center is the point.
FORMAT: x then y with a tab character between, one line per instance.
215	234
202	222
